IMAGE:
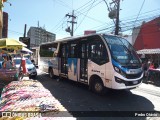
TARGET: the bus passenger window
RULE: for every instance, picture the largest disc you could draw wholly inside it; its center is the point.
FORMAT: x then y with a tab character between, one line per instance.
99	53
63	51
93	52
73	51
47	50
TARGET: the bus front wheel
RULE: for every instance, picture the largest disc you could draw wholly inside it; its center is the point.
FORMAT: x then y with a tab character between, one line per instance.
97	86
51	75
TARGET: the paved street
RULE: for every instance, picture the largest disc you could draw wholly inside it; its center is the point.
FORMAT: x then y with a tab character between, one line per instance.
77	97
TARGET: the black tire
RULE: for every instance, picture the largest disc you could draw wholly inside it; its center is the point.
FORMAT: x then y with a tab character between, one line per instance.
97	86
34	76
51	75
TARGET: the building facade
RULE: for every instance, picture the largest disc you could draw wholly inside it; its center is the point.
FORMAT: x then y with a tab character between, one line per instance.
148	35
5	25
39	35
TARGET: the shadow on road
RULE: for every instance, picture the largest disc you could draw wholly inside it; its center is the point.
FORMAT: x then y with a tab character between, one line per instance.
77	97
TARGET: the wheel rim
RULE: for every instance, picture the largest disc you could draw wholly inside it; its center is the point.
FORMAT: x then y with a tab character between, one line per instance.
98	87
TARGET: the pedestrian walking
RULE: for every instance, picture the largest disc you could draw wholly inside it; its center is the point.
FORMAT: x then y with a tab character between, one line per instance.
150	72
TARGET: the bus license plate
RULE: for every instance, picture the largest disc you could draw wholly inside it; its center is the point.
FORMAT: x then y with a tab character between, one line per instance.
135	82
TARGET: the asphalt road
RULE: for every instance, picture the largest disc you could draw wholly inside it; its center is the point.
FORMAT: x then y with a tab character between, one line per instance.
77	97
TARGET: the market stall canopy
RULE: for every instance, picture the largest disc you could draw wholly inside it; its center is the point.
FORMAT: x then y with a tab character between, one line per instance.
149	51
10	43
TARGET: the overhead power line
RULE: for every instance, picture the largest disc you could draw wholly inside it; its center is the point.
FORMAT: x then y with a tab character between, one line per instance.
15	32
144	14
139	12
86	10
125	26
91	18
58	24
63	4
84	6
85	15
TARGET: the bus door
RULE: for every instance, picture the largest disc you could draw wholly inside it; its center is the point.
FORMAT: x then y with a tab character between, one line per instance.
84	61
73	61
64	57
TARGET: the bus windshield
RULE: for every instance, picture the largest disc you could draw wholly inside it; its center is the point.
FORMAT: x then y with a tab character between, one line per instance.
121	50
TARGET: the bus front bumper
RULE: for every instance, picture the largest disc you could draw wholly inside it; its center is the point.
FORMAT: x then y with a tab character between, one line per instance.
126	84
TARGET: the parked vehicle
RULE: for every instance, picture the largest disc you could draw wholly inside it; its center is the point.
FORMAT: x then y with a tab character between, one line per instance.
35	55
31	68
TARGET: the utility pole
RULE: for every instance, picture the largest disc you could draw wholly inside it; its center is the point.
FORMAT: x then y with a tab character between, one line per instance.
71	31
1	17
117	17
114	14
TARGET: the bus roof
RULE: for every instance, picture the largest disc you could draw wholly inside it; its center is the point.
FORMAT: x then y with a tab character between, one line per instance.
74	37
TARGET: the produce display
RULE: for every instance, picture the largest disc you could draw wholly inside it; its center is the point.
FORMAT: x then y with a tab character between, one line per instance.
28	95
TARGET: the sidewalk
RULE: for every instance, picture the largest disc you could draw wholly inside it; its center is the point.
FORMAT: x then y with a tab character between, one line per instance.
155	82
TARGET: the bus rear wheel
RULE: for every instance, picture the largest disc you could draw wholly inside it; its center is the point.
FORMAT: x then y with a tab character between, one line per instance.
51	75
98	87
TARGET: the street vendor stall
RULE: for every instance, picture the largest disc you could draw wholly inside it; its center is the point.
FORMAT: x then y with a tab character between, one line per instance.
154	56
151	53
7	45
10	43
30	96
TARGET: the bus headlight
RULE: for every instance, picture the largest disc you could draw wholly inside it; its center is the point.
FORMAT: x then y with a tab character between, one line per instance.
119	71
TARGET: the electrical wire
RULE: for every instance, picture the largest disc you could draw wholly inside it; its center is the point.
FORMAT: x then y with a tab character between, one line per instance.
78	9
139	12
92	18
89	6
85	16
58	24
12	31
141	15
63	4
128	25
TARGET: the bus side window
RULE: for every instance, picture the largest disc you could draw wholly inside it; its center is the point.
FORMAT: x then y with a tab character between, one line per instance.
64	50
98	52
47	50
72	50
93	52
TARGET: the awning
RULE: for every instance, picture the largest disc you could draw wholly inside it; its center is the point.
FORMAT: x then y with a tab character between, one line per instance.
24	49
149	51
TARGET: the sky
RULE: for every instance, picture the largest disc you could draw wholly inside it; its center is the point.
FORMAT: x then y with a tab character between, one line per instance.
90	14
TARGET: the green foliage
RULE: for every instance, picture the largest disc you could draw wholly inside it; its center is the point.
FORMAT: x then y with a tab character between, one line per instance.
1	4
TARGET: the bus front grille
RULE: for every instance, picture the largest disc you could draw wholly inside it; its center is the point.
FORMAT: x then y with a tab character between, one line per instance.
133	76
